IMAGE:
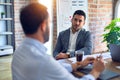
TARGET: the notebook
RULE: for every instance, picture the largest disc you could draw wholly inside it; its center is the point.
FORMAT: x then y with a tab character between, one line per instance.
115	52
105	75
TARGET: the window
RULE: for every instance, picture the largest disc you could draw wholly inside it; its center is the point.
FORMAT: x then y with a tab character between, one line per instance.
117	9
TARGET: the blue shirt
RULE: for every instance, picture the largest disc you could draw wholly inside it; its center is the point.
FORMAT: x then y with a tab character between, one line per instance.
31	62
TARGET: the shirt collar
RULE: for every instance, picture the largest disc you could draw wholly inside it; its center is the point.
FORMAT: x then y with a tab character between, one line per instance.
75	32
35	42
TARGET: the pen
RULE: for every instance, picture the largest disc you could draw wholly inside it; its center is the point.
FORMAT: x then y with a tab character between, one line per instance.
100	55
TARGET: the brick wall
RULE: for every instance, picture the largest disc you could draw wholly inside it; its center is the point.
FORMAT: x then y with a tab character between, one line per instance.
18	30
100	14
19	35
54	24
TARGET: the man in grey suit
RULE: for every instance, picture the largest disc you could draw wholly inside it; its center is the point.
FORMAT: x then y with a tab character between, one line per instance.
73	39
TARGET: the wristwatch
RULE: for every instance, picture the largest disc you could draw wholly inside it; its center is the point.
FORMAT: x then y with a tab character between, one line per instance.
70	54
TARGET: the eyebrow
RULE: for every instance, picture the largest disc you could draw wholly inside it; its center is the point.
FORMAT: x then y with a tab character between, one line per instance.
78	20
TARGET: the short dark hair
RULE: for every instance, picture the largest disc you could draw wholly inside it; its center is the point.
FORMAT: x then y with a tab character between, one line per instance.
79	12
31	16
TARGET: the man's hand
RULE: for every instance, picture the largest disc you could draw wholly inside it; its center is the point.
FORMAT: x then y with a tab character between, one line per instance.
98	67
61	56
87	61
83	63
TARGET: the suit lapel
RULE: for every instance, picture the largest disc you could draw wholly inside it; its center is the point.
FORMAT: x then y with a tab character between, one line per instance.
79	37
67	36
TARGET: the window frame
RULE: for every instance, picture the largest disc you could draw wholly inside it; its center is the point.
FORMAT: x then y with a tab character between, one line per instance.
116	8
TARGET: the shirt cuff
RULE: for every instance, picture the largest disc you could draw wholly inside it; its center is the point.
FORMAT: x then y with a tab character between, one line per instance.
89	77
66	65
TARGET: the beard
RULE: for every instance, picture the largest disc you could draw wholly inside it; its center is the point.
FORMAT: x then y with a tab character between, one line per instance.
46	34
75	27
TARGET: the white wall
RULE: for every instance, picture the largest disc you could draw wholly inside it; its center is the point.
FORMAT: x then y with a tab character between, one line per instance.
65	10
48	4
117	10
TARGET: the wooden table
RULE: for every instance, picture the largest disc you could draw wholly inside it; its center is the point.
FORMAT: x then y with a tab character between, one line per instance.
109	65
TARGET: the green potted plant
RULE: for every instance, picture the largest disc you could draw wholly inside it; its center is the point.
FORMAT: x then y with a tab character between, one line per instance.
2	14
112	32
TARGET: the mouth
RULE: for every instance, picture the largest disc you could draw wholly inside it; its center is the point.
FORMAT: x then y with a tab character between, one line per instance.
76	27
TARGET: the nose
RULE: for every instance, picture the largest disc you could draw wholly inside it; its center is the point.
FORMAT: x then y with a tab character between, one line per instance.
77	22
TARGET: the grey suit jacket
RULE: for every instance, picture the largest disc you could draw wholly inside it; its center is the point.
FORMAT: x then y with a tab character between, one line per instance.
83	42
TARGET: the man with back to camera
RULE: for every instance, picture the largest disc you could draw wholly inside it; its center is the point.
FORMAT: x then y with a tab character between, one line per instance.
73	39
30	60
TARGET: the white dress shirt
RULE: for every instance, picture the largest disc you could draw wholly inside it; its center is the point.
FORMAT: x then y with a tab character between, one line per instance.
31	62
72	41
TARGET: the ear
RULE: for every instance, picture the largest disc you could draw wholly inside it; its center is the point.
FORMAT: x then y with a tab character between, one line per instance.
84	22
43	26
71	19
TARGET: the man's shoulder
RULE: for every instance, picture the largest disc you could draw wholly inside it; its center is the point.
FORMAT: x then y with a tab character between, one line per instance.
85	31
65	31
